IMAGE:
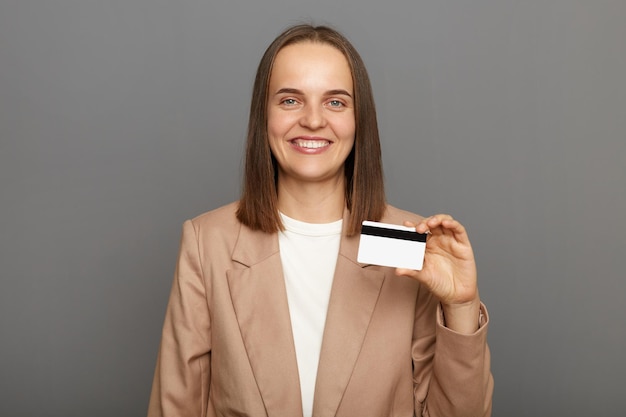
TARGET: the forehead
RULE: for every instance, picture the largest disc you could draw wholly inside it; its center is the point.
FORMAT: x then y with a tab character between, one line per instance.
310	59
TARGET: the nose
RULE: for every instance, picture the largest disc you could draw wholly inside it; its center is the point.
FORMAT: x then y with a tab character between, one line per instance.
313	117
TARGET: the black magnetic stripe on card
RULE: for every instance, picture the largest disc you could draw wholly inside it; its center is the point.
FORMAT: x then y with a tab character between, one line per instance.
393	233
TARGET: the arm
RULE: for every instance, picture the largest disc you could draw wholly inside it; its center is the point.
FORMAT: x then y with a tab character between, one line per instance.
451	361
461	383
182	375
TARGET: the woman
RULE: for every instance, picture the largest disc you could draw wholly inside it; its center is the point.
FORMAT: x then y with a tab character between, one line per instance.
270	313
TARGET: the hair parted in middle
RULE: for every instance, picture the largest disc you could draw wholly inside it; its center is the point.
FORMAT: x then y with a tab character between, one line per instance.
365	195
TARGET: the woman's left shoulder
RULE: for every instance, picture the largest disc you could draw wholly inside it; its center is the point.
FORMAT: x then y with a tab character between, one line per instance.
394	215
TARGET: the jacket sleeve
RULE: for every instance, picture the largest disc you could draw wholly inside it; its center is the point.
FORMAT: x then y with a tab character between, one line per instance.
181	380
452	371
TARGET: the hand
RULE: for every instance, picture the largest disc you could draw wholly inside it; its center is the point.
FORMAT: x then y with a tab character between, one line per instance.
449	270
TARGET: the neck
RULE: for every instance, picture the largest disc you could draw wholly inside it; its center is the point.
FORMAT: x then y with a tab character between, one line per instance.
312	202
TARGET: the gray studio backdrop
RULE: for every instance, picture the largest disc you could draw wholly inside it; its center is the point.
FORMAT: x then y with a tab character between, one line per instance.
120	119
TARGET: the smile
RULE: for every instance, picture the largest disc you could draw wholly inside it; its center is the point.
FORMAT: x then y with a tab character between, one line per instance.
310	144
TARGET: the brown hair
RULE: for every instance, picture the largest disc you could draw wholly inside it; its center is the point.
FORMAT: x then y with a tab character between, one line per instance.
365	195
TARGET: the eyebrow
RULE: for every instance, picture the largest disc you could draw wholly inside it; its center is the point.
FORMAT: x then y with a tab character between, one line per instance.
337	92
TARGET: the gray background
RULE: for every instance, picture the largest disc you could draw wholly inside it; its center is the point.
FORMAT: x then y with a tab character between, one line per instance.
120	119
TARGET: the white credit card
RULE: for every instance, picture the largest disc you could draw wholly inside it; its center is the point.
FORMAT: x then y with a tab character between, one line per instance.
391	245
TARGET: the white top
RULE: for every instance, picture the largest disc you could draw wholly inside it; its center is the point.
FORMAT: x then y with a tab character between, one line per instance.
309	256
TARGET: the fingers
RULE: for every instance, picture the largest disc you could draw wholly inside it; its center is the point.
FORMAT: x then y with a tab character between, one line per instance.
438	224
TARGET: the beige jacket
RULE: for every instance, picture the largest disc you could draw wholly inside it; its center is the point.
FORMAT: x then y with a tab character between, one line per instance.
227	347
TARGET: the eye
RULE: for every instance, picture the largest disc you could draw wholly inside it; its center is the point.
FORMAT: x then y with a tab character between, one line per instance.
289	102
335	103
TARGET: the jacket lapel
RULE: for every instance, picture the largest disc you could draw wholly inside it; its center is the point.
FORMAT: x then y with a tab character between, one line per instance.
353	298
260	301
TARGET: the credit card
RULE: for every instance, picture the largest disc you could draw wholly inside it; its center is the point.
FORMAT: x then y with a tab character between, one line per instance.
391	245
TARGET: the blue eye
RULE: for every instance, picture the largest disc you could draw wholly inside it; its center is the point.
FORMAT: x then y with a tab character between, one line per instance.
289	101
335	103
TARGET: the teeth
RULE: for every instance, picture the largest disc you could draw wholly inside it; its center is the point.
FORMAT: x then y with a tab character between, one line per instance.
311	144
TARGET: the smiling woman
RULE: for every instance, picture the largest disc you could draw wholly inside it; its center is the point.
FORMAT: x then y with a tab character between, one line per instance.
270	312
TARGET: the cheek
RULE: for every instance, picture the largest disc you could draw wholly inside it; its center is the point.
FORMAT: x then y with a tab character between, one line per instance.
276	131
279	123
346	128
271	123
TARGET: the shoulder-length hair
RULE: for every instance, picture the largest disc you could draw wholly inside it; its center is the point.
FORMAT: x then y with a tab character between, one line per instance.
365	195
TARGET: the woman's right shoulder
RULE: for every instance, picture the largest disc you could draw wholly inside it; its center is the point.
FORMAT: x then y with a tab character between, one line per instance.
221	219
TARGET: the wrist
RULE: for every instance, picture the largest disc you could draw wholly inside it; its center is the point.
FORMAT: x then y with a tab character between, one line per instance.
462	318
